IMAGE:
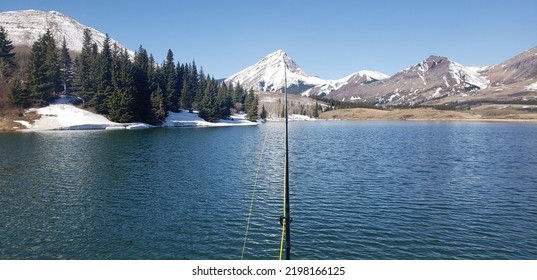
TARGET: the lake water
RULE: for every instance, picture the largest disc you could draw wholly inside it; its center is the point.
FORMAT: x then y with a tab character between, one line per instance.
359	190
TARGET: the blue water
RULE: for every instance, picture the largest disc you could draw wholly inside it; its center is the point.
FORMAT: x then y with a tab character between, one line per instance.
359	190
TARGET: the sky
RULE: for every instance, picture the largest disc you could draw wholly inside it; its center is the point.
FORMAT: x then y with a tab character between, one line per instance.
327	38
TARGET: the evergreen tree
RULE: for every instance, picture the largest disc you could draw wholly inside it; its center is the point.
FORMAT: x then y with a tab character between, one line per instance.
66	68
171	93
186	96
157	106
143	65
121	102
7	58
202	82
251	103
238	95
179	80
316	110
190	87
17	95
102	72
42	70
52	62
208	106
263	114
224	101
82	82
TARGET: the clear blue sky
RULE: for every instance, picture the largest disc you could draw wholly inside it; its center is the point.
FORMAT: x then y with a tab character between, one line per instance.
329	38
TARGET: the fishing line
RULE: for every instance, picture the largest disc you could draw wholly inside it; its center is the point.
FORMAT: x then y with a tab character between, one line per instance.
253	193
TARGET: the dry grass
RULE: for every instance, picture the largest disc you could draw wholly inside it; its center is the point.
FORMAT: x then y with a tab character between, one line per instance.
430	114
9	115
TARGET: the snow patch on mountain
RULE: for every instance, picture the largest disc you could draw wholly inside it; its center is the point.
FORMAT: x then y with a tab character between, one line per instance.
359	78
467	75
373	75
532	87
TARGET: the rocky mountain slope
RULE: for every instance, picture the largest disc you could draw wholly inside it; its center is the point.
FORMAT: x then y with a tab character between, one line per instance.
25	27
432	78
513	81
520	67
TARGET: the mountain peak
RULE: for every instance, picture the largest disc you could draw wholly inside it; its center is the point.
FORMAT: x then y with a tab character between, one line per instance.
278	53
269	73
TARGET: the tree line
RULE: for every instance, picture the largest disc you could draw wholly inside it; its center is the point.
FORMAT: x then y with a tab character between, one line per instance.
112	82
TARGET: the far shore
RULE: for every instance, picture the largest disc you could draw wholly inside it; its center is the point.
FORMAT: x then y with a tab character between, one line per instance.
505	114
429	114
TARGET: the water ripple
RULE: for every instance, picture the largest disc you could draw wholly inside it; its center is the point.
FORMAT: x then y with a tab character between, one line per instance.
359	190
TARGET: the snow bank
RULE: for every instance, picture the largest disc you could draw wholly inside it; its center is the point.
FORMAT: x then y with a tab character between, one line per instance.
186	119
64	116
67	117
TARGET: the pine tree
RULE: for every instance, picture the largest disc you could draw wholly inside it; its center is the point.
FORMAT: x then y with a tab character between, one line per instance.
144	73
171	93
224	101
263	114
66	68
208	106
82	82
102	77
251	103
52	63
157	106
43	70
202	82
190	87
7	58
121	102
238	95
179	78
316	110
17	95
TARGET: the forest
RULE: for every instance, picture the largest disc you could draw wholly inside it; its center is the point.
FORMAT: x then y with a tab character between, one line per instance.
112	82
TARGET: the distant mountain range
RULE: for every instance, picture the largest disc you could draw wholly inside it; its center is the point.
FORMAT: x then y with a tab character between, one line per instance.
431	81
435	80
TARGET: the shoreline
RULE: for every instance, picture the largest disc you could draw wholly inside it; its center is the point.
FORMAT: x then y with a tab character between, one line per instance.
27	122
57	117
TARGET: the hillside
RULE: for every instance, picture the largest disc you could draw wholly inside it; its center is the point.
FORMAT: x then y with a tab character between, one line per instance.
25	27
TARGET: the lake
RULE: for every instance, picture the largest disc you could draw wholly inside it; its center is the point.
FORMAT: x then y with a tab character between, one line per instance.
359	190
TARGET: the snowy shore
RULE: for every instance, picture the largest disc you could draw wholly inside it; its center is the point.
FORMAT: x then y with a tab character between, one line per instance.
64	116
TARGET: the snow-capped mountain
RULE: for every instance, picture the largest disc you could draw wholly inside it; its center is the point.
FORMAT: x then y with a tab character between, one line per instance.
433	77
268	75
359	78
25	27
